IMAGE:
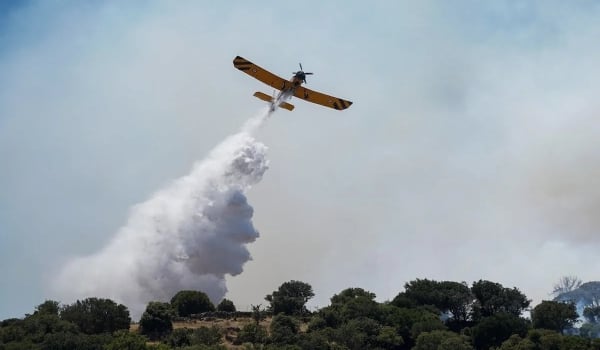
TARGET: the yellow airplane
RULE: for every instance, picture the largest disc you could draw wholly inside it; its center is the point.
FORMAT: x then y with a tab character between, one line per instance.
287	88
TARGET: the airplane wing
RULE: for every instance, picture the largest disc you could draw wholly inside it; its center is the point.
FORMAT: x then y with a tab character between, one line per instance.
261	74
322	99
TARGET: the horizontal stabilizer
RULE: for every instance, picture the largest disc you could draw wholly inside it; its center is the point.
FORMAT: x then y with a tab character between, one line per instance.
263	96
268	98
286	105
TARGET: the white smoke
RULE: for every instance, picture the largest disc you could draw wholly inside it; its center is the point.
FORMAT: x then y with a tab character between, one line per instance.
188	235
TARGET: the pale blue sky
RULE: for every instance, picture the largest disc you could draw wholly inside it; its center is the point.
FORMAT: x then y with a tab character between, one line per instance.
470	152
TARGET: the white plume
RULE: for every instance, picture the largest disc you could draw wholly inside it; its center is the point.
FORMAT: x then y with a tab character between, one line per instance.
188	235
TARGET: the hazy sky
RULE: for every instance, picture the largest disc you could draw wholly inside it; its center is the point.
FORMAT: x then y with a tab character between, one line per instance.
471	151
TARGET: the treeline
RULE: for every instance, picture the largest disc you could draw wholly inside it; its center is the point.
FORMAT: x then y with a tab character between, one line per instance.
427	315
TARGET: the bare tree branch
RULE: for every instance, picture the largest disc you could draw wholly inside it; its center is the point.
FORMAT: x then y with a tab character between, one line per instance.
566	284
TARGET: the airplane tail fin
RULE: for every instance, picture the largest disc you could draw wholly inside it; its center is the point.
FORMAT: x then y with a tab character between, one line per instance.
268	98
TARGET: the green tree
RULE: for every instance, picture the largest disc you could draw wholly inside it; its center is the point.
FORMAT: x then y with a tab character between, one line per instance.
313	341
156	321
188	302
125	340
34	328
355	303
441	340
290	298
570	342
284	329
409	322
317	322
49	307
349	294
359	333
554	315
493	330
388	338
95	315
449	297
252	333
179	338
492	298
458	300
512	343
424	292
226	305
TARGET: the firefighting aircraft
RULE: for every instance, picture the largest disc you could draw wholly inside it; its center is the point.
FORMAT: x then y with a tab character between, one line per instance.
287	88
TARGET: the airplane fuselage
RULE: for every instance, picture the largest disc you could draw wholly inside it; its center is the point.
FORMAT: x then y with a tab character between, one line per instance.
289	89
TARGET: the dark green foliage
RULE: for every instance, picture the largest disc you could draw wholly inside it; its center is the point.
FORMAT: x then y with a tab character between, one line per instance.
183	337
403	301
315	340
290	298
447	296
570	342
226	305
359	333
280	347
550	340
493	330
156	321
426	324
188	302
355	303
127	340
409	323
284	329
388	338
64	341
350	294
95	315
441	340
457	299
424	292
35	328
49	307
45	330
492	298
316	323
252	333
331	315
179	338
203	347
22	345
554	315
511	343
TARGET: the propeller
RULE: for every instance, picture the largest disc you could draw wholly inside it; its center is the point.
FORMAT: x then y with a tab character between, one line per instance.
301	73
